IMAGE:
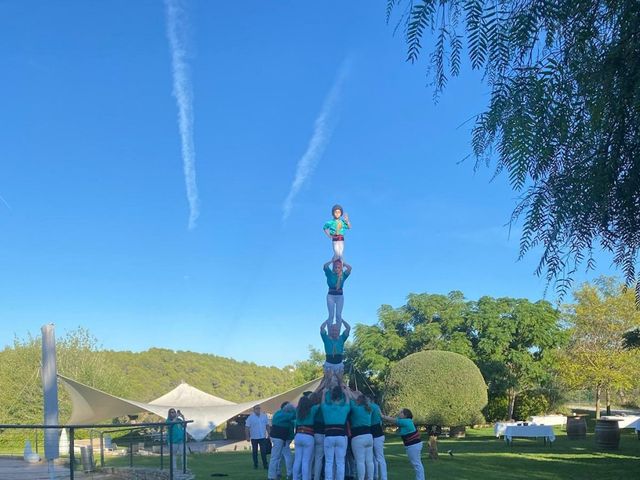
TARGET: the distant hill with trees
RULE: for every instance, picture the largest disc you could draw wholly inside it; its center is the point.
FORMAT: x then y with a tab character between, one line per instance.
139	376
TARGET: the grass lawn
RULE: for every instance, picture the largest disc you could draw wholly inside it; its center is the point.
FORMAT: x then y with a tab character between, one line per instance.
478	456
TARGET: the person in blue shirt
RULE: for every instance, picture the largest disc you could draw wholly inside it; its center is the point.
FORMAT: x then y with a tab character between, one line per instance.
361	438
379	462
411	439
335	410
334	350
318	436
176	436
336	276
304	441
335	228
281	425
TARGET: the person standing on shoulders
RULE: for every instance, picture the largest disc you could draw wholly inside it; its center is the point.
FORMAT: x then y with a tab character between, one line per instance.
411	439
257	432
334	349
336	276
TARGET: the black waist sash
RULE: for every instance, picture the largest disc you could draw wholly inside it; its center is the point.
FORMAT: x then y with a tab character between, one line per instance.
355	431
335	359
335	430
281	433
411	438
376	430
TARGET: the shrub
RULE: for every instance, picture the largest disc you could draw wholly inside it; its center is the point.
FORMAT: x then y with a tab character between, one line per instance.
497	408
529	404
440	388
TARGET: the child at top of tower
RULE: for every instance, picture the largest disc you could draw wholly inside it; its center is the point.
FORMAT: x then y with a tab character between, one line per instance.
335	228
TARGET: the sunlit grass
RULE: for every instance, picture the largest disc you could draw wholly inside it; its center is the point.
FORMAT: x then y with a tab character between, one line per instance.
478	456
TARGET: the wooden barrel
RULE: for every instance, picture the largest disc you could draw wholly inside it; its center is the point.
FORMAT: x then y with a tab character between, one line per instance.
576	428
607	434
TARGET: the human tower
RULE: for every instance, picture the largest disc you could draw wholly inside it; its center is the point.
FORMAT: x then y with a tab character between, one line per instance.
336	427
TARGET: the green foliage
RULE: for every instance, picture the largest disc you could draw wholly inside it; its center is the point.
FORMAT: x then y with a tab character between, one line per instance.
530	403
440	388
497	408
596	356
509	339
139	376
563	118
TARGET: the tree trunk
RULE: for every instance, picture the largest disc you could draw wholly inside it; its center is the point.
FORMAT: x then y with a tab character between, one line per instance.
607	394
511	395
598	389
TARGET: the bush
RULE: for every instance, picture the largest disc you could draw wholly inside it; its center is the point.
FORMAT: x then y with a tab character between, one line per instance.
497	408
440	388
529	404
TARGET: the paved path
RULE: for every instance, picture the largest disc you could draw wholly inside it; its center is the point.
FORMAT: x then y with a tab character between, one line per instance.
18	469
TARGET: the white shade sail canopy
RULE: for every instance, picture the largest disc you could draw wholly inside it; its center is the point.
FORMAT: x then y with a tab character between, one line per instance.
91	405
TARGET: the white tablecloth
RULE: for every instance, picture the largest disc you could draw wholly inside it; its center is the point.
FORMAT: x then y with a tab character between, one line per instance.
629	421
500	427
513	431
549	420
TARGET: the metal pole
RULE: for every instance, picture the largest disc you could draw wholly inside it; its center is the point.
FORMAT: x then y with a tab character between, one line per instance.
102	449
161	448
37	441
72	432
184	447
131	448
170	452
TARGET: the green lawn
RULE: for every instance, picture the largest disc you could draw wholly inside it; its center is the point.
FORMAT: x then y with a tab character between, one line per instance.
479	456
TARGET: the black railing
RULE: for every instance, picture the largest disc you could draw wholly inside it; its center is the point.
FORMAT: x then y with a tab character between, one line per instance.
103	429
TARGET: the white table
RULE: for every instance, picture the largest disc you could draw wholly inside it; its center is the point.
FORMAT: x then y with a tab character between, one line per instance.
500	427
628	421
534	431
549	420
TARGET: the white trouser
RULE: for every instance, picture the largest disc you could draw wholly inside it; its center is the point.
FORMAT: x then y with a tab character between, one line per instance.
362	448
334	306
335	449
414	453
279	450
338	249
177	449
304	454
318	455
379	463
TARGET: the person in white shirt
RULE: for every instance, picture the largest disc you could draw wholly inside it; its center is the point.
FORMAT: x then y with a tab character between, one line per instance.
257	432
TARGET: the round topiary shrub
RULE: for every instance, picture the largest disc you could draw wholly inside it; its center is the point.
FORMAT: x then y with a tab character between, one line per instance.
440	388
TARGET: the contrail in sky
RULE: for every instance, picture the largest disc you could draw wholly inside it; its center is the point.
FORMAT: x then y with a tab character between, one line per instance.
323	128
177	34
5	202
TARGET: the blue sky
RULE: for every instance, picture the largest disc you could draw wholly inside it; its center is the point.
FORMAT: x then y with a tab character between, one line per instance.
95	229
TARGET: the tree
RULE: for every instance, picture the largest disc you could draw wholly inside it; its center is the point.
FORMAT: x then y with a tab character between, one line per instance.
512	340
509	339
563	118
440	388
596	356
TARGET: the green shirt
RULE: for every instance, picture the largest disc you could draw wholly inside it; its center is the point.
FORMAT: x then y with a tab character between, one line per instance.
359	416
333	281
334	346
406	425
336	227
376	415
335	413
283	418
176	430
310	419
